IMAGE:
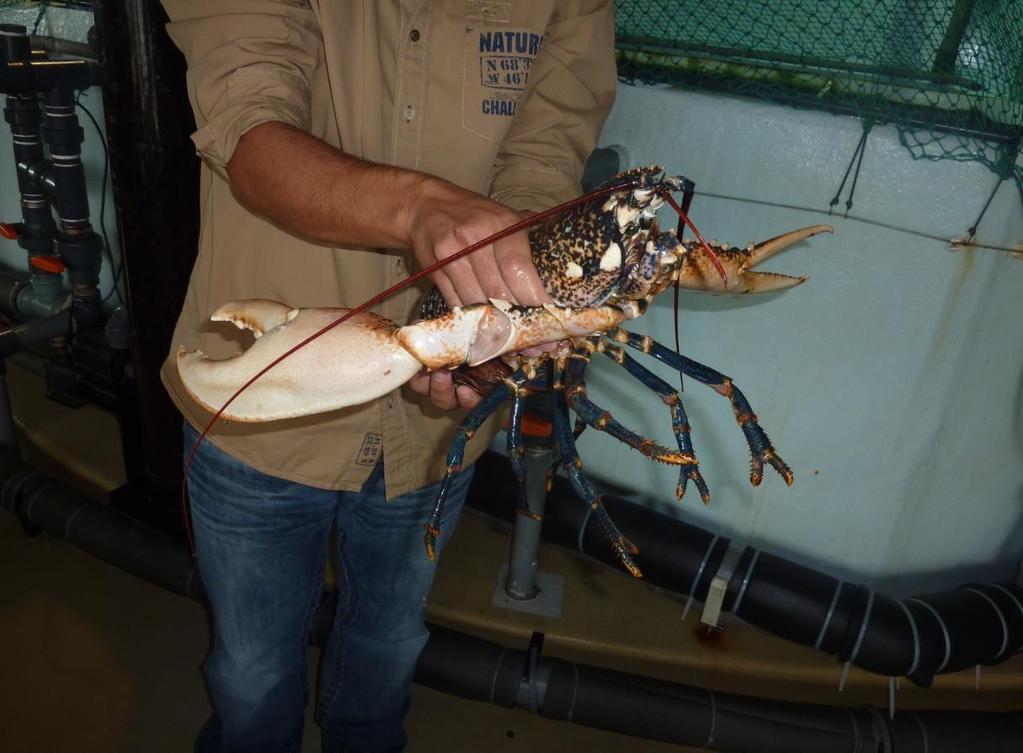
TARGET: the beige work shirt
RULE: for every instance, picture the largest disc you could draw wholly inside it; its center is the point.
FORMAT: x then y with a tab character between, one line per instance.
503	98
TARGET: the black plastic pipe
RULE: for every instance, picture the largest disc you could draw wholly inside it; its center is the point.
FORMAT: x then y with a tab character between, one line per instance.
44	503
977	624
154	174
477	669
21	336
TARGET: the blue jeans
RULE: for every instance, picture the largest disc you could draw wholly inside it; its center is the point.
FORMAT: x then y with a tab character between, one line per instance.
261	544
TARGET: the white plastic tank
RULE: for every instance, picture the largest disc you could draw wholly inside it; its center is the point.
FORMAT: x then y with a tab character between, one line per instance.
891	381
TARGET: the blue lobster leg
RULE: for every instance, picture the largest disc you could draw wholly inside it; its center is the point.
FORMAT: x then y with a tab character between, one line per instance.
598	418
623	548
679	420
470	424
516	449
552	470
761	450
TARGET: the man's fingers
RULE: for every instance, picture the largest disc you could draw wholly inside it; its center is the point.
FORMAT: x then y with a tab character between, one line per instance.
447	290
442	389
464	282
488	273
467	396
420	383
515	262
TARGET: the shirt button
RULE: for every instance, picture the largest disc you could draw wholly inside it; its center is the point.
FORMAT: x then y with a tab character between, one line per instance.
414	35
389	402
410	113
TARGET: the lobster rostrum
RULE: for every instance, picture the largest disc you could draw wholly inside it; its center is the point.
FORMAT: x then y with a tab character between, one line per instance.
602	262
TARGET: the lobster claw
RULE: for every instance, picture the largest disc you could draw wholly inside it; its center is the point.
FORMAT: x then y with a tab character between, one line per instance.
350	364
698	272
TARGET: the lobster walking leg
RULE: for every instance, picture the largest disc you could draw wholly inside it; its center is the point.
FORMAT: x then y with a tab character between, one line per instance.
623	548
516	449
679	420
761	450
490	403
598	418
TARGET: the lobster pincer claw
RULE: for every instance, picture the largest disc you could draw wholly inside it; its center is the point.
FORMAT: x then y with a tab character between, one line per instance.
698	273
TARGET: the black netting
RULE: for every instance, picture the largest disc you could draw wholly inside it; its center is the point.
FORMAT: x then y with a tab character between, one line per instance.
948	74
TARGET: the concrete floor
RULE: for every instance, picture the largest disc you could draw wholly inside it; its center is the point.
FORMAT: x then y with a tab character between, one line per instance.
98	660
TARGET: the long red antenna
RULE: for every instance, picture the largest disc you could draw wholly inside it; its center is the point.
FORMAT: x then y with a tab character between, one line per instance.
710	252
410	280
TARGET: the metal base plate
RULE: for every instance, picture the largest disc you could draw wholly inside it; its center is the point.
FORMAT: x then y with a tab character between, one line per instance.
547	602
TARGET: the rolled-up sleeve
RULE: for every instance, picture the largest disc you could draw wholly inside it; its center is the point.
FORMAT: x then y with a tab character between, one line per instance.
249	62
571	90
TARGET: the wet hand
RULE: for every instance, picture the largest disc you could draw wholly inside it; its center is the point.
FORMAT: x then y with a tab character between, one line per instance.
439	387
444	219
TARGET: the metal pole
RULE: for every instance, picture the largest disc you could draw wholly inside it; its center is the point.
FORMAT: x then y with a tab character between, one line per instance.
525	544
520	585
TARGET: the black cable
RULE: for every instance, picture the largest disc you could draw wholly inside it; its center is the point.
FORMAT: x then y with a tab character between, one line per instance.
859	163
973	228
39	16
858	152
117	269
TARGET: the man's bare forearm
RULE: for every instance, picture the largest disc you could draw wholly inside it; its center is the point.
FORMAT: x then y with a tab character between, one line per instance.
313	190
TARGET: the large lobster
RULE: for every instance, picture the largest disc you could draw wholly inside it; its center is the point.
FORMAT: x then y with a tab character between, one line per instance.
602	263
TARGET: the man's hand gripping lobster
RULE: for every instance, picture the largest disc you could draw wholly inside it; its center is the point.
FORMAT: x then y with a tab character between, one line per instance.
602	259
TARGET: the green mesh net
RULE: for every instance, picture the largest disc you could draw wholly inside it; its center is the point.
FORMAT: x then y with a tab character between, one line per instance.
948	74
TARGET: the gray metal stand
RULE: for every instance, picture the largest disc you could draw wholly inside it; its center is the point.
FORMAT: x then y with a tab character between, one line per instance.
519	584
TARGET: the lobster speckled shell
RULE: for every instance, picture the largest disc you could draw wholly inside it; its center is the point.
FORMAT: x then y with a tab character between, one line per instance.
568	250
584	255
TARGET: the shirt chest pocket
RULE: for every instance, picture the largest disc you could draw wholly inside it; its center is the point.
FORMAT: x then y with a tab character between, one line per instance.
495	74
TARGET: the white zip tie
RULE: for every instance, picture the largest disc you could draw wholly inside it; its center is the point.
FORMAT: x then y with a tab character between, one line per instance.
713	719
855	729
497	669
1015	601
699	574
71	519
1001	618
863	626
881	729
916	638
827	617
944	630
891	697
859	641
923	730
32	501
745	582
12	488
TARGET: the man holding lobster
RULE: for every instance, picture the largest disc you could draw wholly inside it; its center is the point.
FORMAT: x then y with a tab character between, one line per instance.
344	145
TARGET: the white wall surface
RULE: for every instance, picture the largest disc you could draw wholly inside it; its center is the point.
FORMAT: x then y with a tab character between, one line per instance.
891	382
